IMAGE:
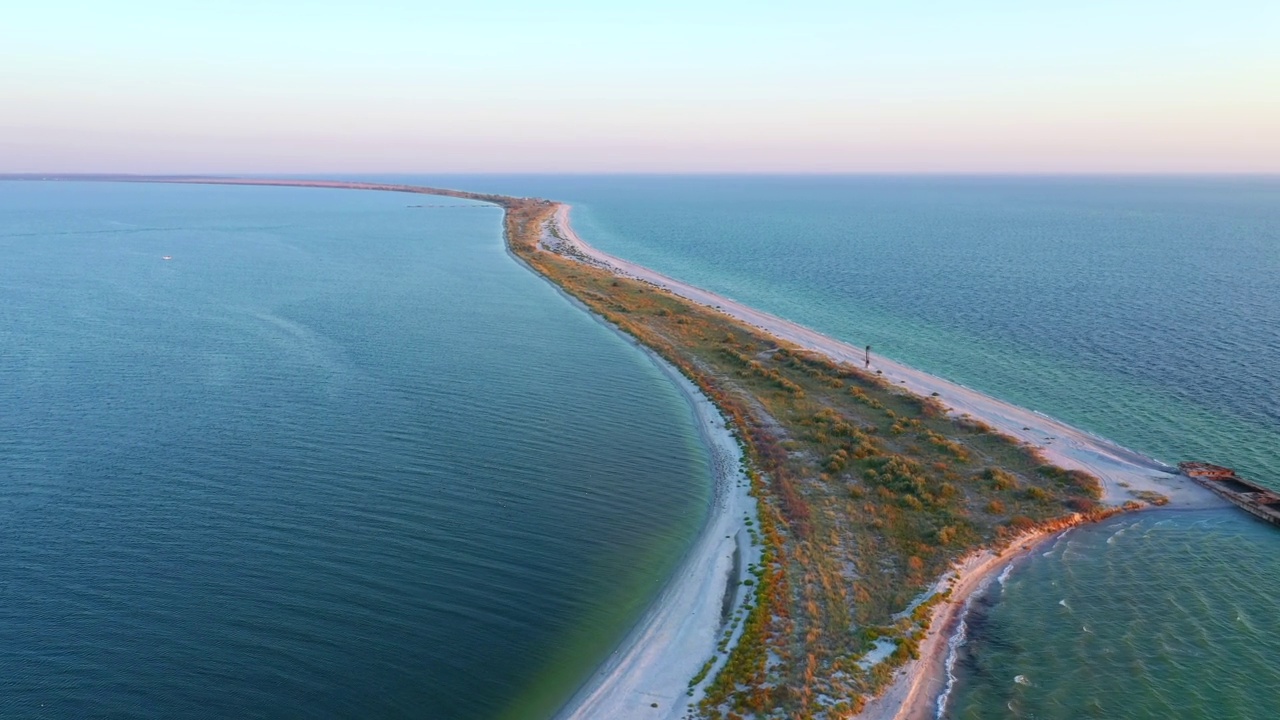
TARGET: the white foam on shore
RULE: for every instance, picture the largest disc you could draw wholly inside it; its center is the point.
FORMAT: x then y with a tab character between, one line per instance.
955	642
1003	577
953	653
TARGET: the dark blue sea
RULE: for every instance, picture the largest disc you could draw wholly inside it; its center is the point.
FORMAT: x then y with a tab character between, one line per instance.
337	457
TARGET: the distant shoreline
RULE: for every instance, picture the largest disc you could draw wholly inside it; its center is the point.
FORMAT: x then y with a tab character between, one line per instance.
1125	474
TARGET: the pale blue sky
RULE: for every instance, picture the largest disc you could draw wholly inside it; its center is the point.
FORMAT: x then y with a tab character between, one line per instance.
907	86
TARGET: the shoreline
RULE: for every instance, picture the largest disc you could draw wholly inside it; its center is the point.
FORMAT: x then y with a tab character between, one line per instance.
918	687
678	636
680	630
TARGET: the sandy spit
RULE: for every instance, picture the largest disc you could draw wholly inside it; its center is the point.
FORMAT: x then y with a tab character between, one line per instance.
649	674
917	687
1120	469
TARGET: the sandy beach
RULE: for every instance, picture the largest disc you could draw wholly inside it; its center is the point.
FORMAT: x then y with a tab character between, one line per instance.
648	675
917	688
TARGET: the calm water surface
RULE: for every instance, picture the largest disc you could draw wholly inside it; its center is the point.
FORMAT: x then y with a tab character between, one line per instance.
338	457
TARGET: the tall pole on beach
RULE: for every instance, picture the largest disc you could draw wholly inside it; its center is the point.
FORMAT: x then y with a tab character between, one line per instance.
868	356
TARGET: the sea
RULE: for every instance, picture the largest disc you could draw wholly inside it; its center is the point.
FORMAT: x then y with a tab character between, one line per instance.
340	456
300	453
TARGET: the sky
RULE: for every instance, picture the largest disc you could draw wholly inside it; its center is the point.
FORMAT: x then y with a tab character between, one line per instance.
982	86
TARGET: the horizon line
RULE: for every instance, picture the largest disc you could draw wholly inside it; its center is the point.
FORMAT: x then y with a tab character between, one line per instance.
36	175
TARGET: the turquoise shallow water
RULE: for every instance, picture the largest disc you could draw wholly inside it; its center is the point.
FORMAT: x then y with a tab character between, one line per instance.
1117	621
337	458
1144	309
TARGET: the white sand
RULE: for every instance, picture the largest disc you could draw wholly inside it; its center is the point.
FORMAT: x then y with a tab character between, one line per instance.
916	686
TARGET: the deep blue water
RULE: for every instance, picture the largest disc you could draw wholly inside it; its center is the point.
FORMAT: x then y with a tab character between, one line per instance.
1144	309
338	457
